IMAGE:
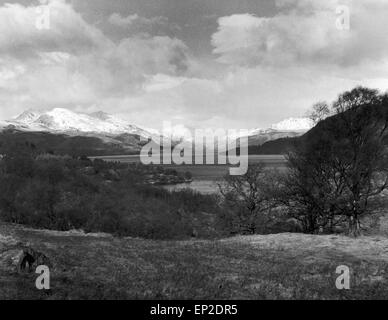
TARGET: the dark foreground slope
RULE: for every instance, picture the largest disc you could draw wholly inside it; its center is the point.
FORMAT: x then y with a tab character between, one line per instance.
284	266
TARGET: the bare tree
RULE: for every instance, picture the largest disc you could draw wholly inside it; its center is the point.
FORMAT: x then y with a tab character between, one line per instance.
312	190
343	162
320	111
249	195
362	157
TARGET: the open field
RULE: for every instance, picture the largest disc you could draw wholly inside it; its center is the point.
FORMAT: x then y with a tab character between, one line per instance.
283	266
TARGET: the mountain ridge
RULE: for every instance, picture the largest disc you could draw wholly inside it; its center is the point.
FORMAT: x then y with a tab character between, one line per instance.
112	130
62	120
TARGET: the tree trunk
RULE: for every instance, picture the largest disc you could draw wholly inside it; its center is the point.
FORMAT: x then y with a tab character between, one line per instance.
354	229
331	225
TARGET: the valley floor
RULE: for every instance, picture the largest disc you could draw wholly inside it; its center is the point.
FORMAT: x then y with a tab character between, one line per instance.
283	266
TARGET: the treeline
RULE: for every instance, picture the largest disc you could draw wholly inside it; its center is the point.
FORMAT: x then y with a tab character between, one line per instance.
45	142
62	193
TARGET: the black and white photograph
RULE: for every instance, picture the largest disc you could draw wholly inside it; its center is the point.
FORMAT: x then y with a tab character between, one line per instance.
193	150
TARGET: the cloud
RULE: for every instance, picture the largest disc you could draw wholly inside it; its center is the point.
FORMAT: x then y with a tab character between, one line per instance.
161	82
135	24
73	63
278	66
118	20
271	67
241	98
68	32
304	33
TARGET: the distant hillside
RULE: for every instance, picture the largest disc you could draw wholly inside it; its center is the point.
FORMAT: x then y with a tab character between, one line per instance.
72	145
60	120
66	131
284	145
278	146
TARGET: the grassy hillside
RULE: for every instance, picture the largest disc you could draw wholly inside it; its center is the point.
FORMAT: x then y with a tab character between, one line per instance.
284	266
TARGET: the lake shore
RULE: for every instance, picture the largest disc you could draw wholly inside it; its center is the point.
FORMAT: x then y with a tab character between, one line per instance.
205	177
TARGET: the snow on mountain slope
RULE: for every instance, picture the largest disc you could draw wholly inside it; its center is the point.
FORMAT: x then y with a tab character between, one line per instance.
293	124
28	117
104	125
292	127
64	120
287	128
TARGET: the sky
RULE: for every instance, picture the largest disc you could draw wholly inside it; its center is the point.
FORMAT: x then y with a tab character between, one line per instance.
200	63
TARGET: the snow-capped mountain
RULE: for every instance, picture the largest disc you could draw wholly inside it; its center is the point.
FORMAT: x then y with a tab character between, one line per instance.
293	124
27	117
64	120
292	127
106	126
